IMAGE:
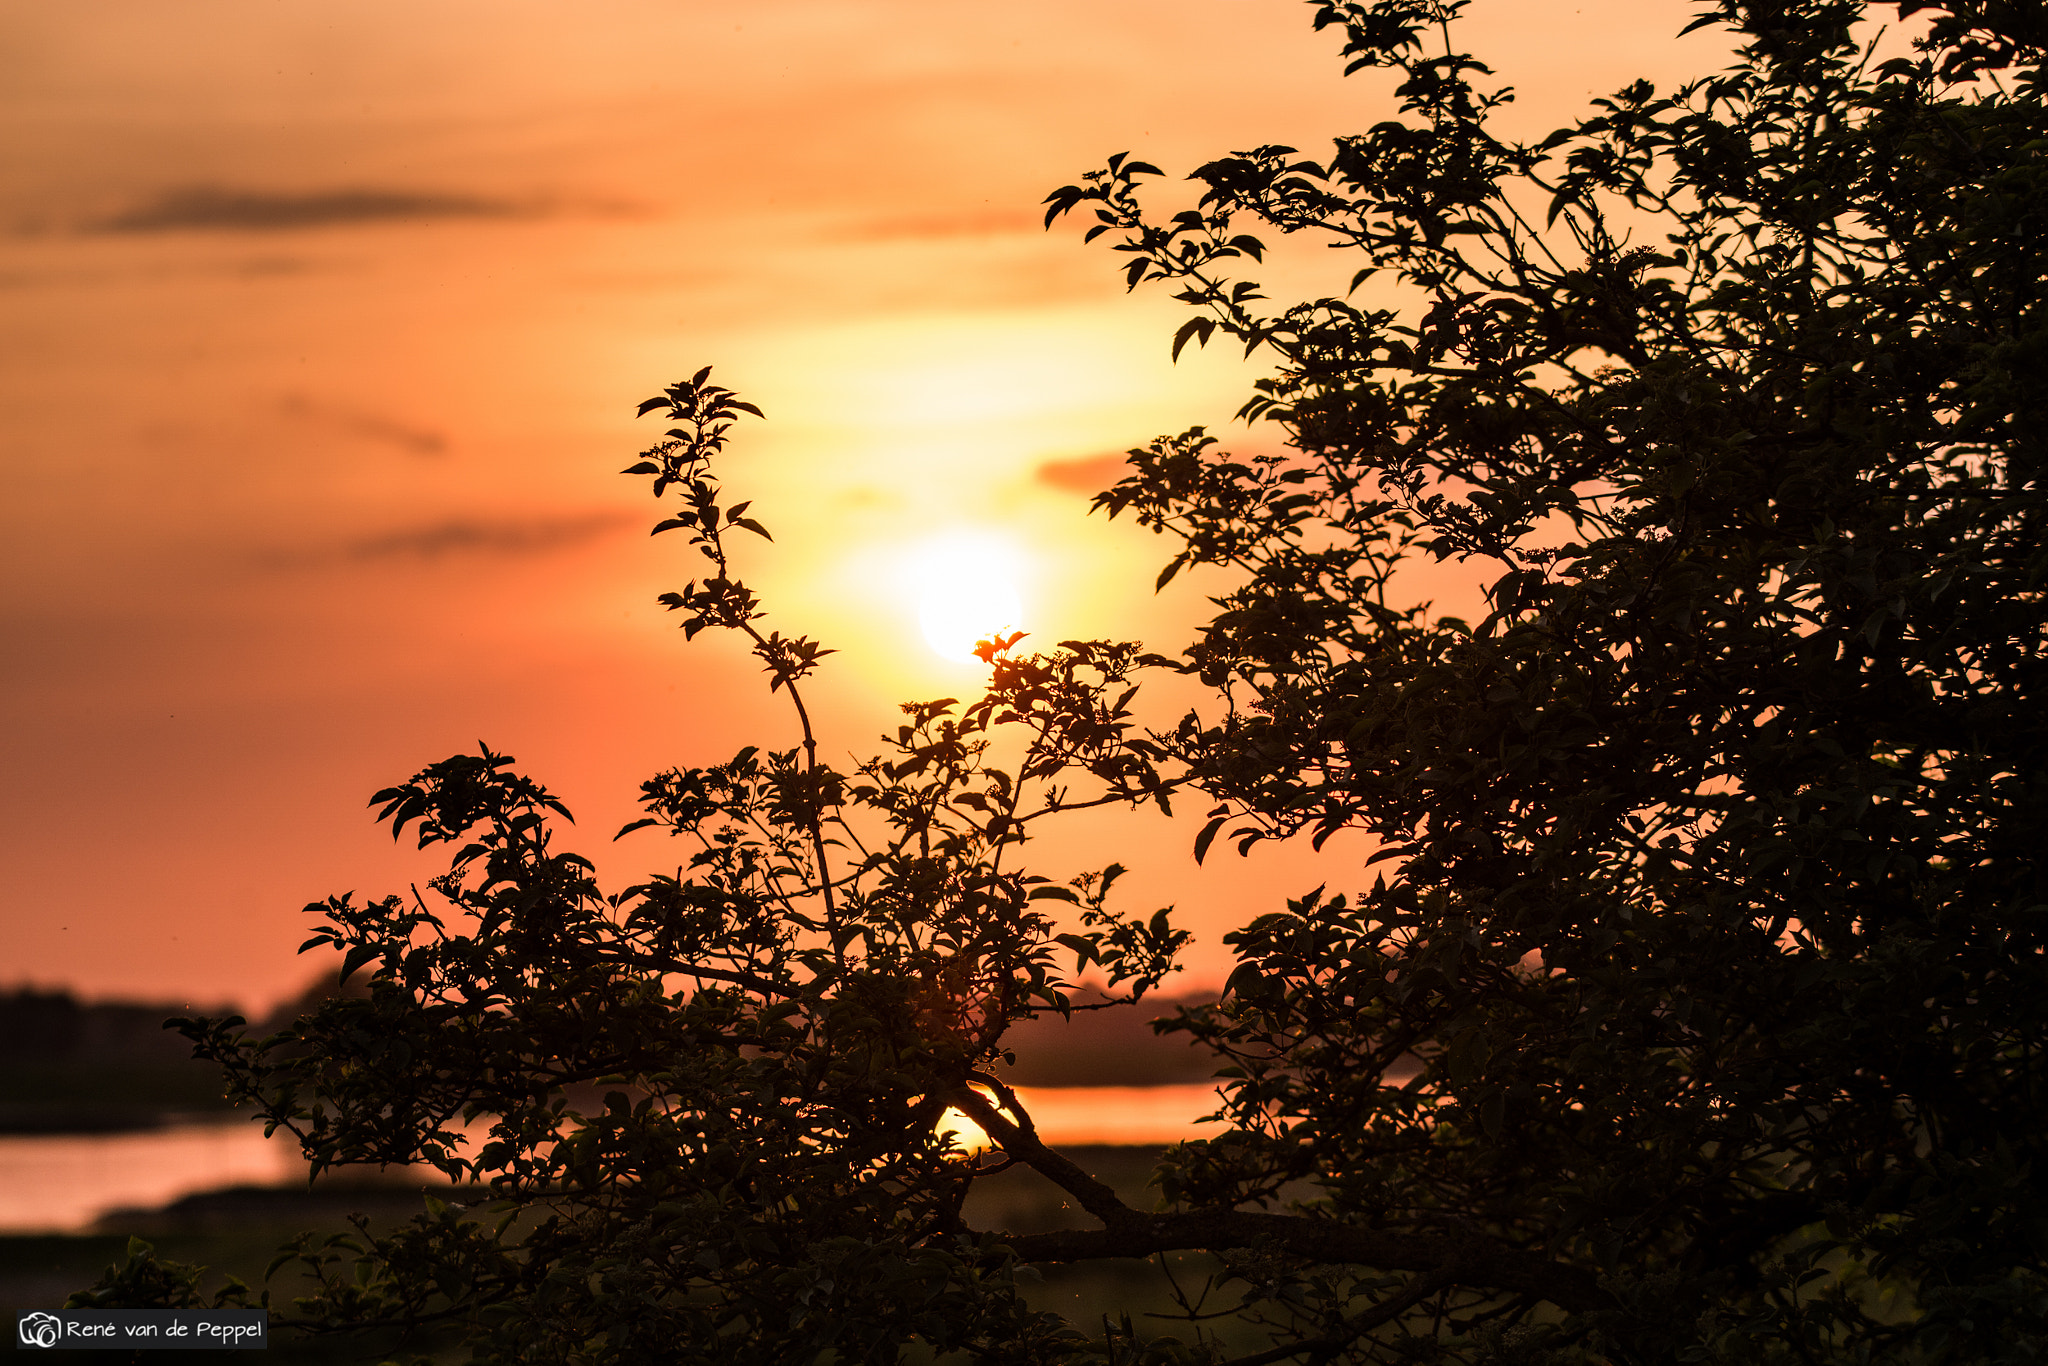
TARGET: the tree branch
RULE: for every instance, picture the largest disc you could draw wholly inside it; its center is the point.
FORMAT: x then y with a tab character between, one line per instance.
1023	1144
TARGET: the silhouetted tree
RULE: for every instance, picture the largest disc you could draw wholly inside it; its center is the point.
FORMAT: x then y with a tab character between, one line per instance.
1714	901
1711	906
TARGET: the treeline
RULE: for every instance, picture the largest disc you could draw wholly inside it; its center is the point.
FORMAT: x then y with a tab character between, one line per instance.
72	1066
68	1065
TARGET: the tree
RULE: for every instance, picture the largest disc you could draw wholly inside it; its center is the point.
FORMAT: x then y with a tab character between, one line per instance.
1715	911
1697	1010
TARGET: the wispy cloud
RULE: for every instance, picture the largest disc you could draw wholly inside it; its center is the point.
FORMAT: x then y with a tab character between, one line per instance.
463	536
414	440
218	208
506	537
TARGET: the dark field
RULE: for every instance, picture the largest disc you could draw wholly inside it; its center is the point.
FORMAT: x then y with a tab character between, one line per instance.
70	1067
238	1232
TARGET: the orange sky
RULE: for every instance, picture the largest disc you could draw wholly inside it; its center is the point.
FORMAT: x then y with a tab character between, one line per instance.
321	329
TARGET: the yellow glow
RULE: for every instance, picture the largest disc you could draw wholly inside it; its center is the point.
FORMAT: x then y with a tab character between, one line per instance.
963	1130
966	593
1021	380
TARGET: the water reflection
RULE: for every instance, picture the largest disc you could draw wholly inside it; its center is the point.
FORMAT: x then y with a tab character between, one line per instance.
63	1183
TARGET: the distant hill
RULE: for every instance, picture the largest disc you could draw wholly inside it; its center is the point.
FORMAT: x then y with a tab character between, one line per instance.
67	1066
1095	1047
70	1067
1109	1047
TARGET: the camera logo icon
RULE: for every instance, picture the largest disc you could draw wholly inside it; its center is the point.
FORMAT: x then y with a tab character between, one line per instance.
39	1329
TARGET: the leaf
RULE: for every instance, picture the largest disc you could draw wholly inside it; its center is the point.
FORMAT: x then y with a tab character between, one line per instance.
357	956
1085	949
1492	1112
1193	327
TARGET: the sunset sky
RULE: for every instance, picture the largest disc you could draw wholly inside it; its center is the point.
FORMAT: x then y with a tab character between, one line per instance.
322	325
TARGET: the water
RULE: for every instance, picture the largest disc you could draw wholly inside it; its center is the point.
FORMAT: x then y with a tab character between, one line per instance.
1116	1115
64	1183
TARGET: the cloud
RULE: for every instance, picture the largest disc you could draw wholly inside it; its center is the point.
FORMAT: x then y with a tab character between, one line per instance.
464	536
421	441
216	208
457	536
1087	474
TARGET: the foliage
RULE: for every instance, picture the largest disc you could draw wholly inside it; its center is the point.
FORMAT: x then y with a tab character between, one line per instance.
1715	916
705	1113
1697	1013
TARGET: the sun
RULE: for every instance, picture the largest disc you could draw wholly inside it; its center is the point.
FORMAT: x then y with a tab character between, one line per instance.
966	593
965	1131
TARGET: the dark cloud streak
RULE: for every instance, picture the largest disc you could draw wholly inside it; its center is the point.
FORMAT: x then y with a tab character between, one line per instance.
216	208
463	536
457	536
